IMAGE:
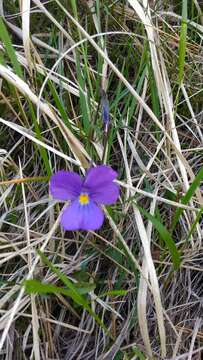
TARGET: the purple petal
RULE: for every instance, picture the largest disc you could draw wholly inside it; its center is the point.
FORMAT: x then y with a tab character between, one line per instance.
65	185
82	217
93	217
106	197
99	184
99	176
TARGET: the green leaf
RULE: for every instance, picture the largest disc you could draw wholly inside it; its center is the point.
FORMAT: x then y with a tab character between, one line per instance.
83	98
42	151
186	198
194	224
154	92
4	36
165	235
59	105
114	293
138	353
37	287
74	293
183	40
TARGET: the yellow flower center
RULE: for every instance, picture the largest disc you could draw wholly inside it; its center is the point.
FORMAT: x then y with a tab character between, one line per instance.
84	199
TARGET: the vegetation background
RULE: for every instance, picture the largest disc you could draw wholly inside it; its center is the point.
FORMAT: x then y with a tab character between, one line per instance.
132	290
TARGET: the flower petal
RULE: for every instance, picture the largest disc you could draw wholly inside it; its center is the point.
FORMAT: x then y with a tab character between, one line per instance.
106	197
93	217
65	185
72	216
82	217
99	184
99	176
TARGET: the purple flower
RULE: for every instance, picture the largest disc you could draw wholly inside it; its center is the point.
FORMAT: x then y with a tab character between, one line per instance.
85	195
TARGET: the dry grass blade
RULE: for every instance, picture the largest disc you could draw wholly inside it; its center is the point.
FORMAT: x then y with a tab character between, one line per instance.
158	198
198	127
18	300
25	133
25	10
35	321
148	269
161	77
142	293
194	335
75	145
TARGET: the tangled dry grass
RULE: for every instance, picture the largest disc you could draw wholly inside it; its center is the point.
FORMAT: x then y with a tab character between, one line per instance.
55	57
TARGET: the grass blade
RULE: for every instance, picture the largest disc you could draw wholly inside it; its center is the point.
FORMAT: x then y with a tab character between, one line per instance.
194	224
186	198
42	150
4	36
165	235
183	40
37	287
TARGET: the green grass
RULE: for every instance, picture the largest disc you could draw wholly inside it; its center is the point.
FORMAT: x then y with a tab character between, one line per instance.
81	300
183	40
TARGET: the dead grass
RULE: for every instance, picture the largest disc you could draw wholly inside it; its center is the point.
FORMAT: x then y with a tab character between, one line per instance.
50	120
